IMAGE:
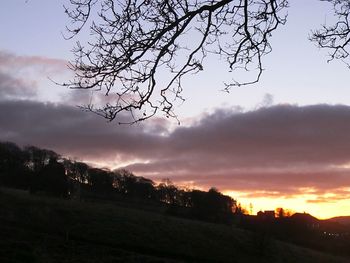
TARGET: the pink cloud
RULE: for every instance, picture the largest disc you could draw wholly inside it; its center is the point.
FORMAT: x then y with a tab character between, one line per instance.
13	62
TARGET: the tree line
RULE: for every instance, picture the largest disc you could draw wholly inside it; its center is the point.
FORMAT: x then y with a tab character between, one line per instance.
43	171
46	173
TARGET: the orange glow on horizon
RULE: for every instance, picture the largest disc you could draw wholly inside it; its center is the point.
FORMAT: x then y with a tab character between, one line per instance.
295	203
322	210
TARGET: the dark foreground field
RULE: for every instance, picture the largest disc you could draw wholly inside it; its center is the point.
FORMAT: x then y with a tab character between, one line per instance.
41	229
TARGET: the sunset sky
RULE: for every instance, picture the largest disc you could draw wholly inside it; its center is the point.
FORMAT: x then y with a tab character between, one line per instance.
284	142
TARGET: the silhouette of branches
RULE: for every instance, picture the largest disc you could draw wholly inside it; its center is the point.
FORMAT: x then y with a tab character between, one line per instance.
137	45
335	37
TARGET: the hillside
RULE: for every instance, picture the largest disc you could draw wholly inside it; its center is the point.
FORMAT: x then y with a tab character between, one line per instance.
345	220
42	229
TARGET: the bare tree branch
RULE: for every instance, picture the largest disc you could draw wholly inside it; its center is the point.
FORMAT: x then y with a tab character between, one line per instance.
335	37
138	44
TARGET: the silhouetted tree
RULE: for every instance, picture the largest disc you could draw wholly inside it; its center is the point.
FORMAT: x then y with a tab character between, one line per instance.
336	37
68	177
13	171
77	171
54	179
136	41
167	192
100	180
280	212
212	205
125	181
37	159
69	167
144	188
183	197
81	173
128	184
240	210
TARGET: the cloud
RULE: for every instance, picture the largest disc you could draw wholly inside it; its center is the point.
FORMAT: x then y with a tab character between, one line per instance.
13	62
26	77
11	87
36	77
71	131
279	150
331	197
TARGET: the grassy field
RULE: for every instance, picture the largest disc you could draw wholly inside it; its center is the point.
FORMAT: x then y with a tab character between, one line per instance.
42	229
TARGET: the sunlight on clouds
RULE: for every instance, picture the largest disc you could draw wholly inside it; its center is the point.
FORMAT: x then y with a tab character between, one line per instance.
343	166
114	164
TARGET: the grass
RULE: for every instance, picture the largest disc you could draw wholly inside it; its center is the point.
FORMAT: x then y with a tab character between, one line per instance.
42	229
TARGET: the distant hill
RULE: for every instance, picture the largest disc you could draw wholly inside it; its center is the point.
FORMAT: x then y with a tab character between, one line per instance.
43	229
345	220
304	217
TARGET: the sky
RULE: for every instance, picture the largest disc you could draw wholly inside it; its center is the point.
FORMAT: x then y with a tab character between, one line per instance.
283	142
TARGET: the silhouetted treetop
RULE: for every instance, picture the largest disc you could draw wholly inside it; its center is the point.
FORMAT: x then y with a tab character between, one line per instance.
336	37
43	171
38	158
136	44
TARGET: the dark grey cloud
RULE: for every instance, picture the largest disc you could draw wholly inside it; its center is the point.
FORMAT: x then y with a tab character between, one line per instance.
12	87
279	149
71	131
